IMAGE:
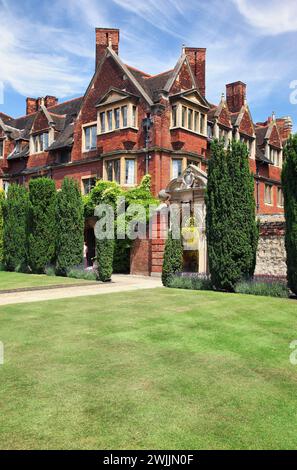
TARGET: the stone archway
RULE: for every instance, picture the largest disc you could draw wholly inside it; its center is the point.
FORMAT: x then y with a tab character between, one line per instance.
189	189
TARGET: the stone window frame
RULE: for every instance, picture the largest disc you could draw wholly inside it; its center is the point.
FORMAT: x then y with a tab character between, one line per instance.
280	197
87	177
193	110
266	186
122	159
35	146
131	116
183	159
276	156
84	127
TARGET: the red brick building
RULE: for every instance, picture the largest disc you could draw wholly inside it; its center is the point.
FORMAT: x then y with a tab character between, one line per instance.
129	123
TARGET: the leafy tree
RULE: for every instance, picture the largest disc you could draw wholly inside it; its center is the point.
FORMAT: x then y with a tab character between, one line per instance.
173	258
69	226
289	180
42	223
15	225
232	232
104	256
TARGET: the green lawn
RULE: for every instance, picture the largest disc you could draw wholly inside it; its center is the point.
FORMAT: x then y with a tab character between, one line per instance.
19	280
162	368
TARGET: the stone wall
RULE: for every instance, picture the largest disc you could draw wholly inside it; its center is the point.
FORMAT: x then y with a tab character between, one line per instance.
271	256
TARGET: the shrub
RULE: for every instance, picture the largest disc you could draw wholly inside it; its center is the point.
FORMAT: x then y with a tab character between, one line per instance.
50	270
77	273
289	178
265	288
104	257
121	257
42	223
70	227
173	258
15	217
189	282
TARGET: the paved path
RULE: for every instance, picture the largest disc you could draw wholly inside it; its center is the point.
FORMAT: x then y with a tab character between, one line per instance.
120	283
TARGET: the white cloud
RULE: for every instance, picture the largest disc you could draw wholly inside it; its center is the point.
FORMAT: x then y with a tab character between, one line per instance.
270	17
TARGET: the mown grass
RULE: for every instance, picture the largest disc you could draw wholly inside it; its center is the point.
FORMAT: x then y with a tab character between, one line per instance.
13	280
155	369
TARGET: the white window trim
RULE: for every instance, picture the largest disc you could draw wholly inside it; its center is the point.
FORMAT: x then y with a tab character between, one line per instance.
83	140
33	151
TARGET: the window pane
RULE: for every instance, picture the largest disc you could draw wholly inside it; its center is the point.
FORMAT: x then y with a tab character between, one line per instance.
117	171
196	121
176	168
109	120
202	123
45	140
190	118
102	122
174	121
124	116
1	148
94	137
130	171
87	138
117	118
41	143
184	112
88	184
134	117
109	172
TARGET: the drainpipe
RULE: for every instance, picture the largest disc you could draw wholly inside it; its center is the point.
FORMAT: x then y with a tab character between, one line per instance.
147	124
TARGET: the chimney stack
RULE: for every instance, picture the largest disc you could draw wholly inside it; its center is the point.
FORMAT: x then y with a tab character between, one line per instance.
196	57
106	37
33	104
236	94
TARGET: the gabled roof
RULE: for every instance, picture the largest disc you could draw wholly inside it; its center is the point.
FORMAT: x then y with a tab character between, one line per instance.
261	134
193	91
19	154
65	139
117	95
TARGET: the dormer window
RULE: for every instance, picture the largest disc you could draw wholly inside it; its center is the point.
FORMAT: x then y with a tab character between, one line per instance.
117	110
40	142
90	137
275	156
187	117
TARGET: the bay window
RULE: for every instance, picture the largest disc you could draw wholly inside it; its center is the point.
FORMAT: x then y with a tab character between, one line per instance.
189	118
118	117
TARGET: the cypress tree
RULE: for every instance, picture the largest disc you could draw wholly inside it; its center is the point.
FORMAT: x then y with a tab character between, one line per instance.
219	220
289	180
173	258
15	224
245	231
69	226
104	256
42	223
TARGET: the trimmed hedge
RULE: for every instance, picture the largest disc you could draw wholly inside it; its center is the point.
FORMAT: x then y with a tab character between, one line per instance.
15	217
189	282
104	256
70	227
42	223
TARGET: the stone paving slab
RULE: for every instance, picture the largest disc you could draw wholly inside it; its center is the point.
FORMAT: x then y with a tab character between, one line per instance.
120	283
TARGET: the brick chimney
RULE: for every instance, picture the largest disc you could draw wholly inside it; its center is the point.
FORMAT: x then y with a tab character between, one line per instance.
31	106
285	126
50	101
106	37
236	94
196	57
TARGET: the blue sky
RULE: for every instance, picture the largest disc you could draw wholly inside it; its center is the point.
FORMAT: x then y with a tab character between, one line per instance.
47	47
